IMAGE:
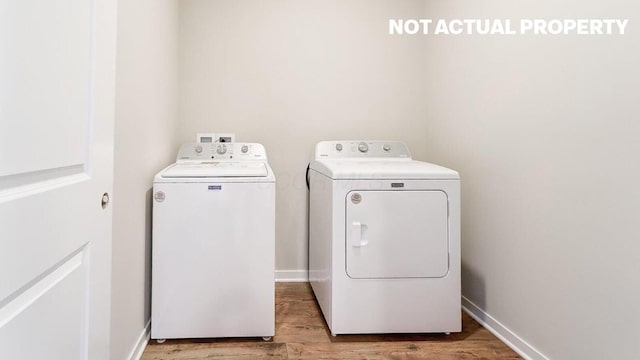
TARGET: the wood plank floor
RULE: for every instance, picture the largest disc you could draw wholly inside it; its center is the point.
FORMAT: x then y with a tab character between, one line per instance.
301	333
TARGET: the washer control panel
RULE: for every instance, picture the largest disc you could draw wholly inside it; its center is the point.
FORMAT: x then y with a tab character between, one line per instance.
222	151
361	149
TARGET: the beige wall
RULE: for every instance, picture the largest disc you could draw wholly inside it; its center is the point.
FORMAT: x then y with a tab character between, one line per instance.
546	135
291	73
145	141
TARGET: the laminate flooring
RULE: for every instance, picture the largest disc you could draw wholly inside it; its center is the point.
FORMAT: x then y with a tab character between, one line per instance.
301	333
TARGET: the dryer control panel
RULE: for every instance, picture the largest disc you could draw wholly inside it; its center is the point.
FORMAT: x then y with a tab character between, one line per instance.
222	152
341	149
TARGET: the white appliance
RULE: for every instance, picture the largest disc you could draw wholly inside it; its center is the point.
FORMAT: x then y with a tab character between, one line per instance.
213	248
215	137
384	239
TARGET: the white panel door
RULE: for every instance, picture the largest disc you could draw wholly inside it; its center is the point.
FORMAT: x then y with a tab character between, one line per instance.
397	234
57	76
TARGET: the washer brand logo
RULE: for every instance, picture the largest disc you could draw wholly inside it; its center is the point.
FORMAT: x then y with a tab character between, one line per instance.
159	196
397	185
214	187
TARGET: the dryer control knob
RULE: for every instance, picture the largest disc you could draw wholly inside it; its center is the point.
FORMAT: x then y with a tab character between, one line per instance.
198	149
339	147
386	147
244	149
222	148
363	147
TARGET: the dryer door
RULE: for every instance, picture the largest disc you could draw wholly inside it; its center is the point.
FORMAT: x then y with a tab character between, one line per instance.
397	234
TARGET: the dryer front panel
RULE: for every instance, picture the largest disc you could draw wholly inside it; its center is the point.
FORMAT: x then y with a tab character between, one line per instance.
396	234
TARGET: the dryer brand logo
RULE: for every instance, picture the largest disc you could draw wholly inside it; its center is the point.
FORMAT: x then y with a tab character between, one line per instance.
214	187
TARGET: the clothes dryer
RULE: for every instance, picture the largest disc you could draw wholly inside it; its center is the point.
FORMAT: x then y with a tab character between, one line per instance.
384	239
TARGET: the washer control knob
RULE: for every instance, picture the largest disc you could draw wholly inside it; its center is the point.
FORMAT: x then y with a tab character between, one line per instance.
221	149
244	149
198	149
386	147
339	147
363	147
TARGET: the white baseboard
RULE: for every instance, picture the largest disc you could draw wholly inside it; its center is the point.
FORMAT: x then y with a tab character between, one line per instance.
503	333
292	276
141	343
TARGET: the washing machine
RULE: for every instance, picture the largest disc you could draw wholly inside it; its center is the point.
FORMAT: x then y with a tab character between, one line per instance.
384	239
213	248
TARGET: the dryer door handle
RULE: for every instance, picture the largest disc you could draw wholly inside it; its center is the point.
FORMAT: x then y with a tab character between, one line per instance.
359	234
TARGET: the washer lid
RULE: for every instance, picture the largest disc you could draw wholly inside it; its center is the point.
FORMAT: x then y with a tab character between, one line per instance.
207	169
382	169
